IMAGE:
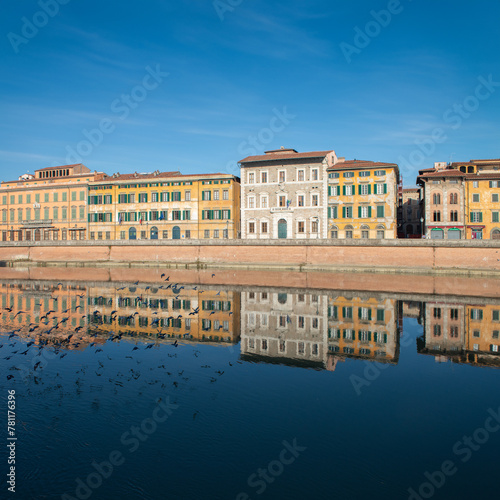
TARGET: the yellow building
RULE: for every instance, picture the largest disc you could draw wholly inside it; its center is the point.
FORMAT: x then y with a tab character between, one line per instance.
362	200
49	205
462	200
164	205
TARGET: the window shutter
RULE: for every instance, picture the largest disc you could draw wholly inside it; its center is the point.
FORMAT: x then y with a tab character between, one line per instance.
480	216
375	336
343	190
385	188
343	212
203	214
369	314
329	190
385	338
369	211
359	313
88	217
329	212
89	202
359	212
343	312
369	189
343	334
359	189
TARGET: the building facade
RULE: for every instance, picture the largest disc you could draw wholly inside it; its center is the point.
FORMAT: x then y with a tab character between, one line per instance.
284	194
164	205
410	214
362	200
49	205
462	200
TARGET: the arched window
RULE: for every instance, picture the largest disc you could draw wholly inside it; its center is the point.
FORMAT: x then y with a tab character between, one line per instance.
454	216
436	199
453	199
436	216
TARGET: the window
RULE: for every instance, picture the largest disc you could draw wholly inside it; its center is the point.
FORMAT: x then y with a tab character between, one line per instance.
437	330
205	195
348	211
188	233
206	233
334	234
437	312
364	189
365	173
282	176
251	177
282	201
380	211
453	216
216	233
314	174
154	197
333	212
334	175
187	195
453	332
300	200
300	176
380	234
349	190
263	202
301	227
380	188
365	234
251	227
216	194
436	199
475	198
73	196
314	226
364	212
476	217
315	200
476	314
348	175
264	227
143	197
494	217
263	177
379	173
453	199
436	216
494	198
225	195
495	315
475	184
176	196
165	234
251	202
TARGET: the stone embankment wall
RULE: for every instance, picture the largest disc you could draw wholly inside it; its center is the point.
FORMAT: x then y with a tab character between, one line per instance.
400	256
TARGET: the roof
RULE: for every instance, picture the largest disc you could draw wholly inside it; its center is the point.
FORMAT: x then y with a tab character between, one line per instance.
355	164
457	173
411	190
287	154
60	166
160	175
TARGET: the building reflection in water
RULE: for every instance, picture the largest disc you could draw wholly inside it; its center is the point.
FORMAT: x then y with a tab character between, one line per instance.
462	333
51	312
316	330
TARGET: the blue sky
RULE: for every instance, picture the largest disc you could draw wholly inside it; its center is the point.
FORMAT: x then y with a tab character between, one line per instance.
198	85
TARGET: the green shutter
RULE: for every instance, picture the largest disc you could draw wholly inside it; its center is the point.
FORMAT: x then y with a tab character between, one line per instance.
375	337
343	212
329	190
343	190
359	189
369	314
359	312
89	201
369	189
385	188
359	212
480	216
88	217
369	212
229	214
329	212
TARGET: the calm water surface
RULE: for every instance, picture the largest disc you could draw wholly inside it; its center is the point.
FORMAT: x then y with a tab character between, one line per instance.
218	393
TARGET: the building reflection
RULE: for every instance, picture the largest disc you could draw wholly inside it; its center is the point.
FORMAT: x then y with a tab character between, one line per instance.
50	313
462	333
166	311
318	330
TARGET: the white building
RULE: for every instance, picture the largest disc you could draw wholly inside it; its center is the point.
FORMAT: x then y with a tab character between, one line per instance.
284	194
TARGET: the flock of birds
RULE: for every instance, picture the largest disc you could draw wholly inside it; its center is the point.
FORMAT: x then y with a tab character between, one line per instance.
35	345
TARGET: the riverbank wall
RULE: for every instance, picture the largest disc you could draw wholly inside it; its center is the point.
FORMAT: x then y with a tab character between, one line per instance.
471	258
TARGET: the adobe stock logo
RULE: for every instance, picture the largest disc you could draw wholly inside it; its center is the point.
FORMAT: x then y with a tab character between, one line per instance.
122	107
40	19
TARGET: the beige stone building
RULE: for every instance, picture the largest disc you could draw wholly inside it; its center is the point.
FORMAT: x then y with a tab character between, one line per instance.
284	194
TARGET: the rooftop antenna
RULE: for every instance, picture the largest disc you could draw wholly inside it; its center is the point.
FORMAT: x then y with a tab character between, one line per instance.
451	157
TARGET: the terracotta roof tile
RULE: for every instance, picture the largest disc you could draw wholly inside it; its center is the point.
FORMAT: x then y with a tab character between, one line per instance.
355	164
284	156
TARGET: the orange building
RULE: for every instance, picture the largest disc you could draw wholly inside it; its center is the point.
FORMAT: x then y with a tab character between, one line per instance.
50	205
